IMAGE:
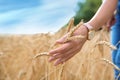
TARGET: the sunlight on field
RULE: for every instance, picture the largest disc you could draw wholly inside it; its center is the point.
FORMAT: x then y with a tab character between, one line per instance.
17	62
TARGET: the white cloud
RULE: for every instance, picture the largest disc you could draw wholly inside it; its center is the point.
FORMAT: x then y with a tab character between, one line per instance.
29	27
49	17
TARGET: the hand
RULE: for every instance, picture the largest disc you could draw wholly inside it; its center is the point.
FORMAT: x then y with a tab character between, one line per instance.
111	22
69	49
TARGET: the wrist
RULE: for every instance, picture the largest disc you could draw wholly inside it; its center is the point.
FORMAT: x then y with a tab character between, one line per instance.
91	31
86	30
88	26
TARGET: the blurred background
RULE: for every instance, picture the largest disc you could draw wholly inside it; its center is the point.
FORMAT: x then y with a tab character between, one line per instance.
42	16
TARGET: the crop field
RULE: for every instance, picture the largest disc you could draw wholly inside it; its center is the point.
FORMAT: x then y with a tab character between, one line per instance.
18	60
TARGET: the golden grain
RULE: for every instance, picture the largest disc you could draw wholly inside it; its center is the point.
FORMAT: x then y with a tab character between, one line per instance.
26	58
106	43
118	76
41	54
109	62
70	24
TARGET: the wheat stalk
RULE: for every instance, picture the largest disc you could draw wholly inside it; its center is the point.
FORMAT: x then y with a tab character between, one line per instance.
6	71
117	43
109	62
41	54
74	38
106	43
71	23
20	74
118	76
69	37
74	29
61	71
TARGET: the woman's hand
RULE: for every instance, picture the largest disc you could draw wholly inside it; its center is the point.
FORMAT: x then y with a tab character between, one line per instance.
111	22
69	49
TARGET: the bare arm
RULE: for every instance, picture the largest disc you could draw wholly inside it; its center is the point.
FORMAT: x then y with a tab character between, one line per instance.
69	49
104	13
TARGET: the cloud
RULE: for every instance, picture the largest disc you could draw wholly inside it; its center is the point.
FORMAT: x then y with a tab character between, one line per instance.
49	16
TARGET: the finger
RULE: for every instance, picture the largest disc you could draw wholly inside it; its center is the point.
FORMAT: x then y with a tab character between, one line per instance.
58	55
65	47
69	57
113	22
66	56
55	56
58	62
62	60
61	40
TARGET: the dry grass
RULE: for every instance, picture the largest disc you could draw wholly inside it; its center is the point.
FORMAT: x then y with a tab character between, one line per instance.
20	58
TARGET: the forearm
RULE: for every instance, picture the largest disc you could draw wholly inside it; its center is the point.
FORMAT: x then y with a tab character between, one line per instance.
103	14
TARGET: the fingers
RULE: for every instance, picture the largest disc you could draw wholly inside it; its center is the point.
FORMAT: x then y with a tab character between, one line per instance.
65	58
58	61
111	22
61	49
59	55
62	57
65	51
61	40
55	56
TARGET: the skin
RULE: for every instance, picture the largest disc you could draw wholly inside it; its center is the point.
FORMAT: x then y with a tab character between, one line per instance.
111	22
69	49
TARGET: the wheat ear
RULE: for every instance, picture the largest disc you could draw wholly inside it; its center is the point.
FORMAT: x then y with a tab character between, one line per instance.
69	37
106	43
109	62
70	24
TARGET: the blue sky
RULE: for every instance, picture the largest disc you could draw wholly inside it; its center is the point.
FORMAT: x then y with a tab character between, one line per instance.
35	16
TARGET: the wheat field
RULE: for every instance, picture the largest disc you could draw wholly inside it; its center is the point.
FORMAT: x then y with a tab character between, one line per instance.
17	60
